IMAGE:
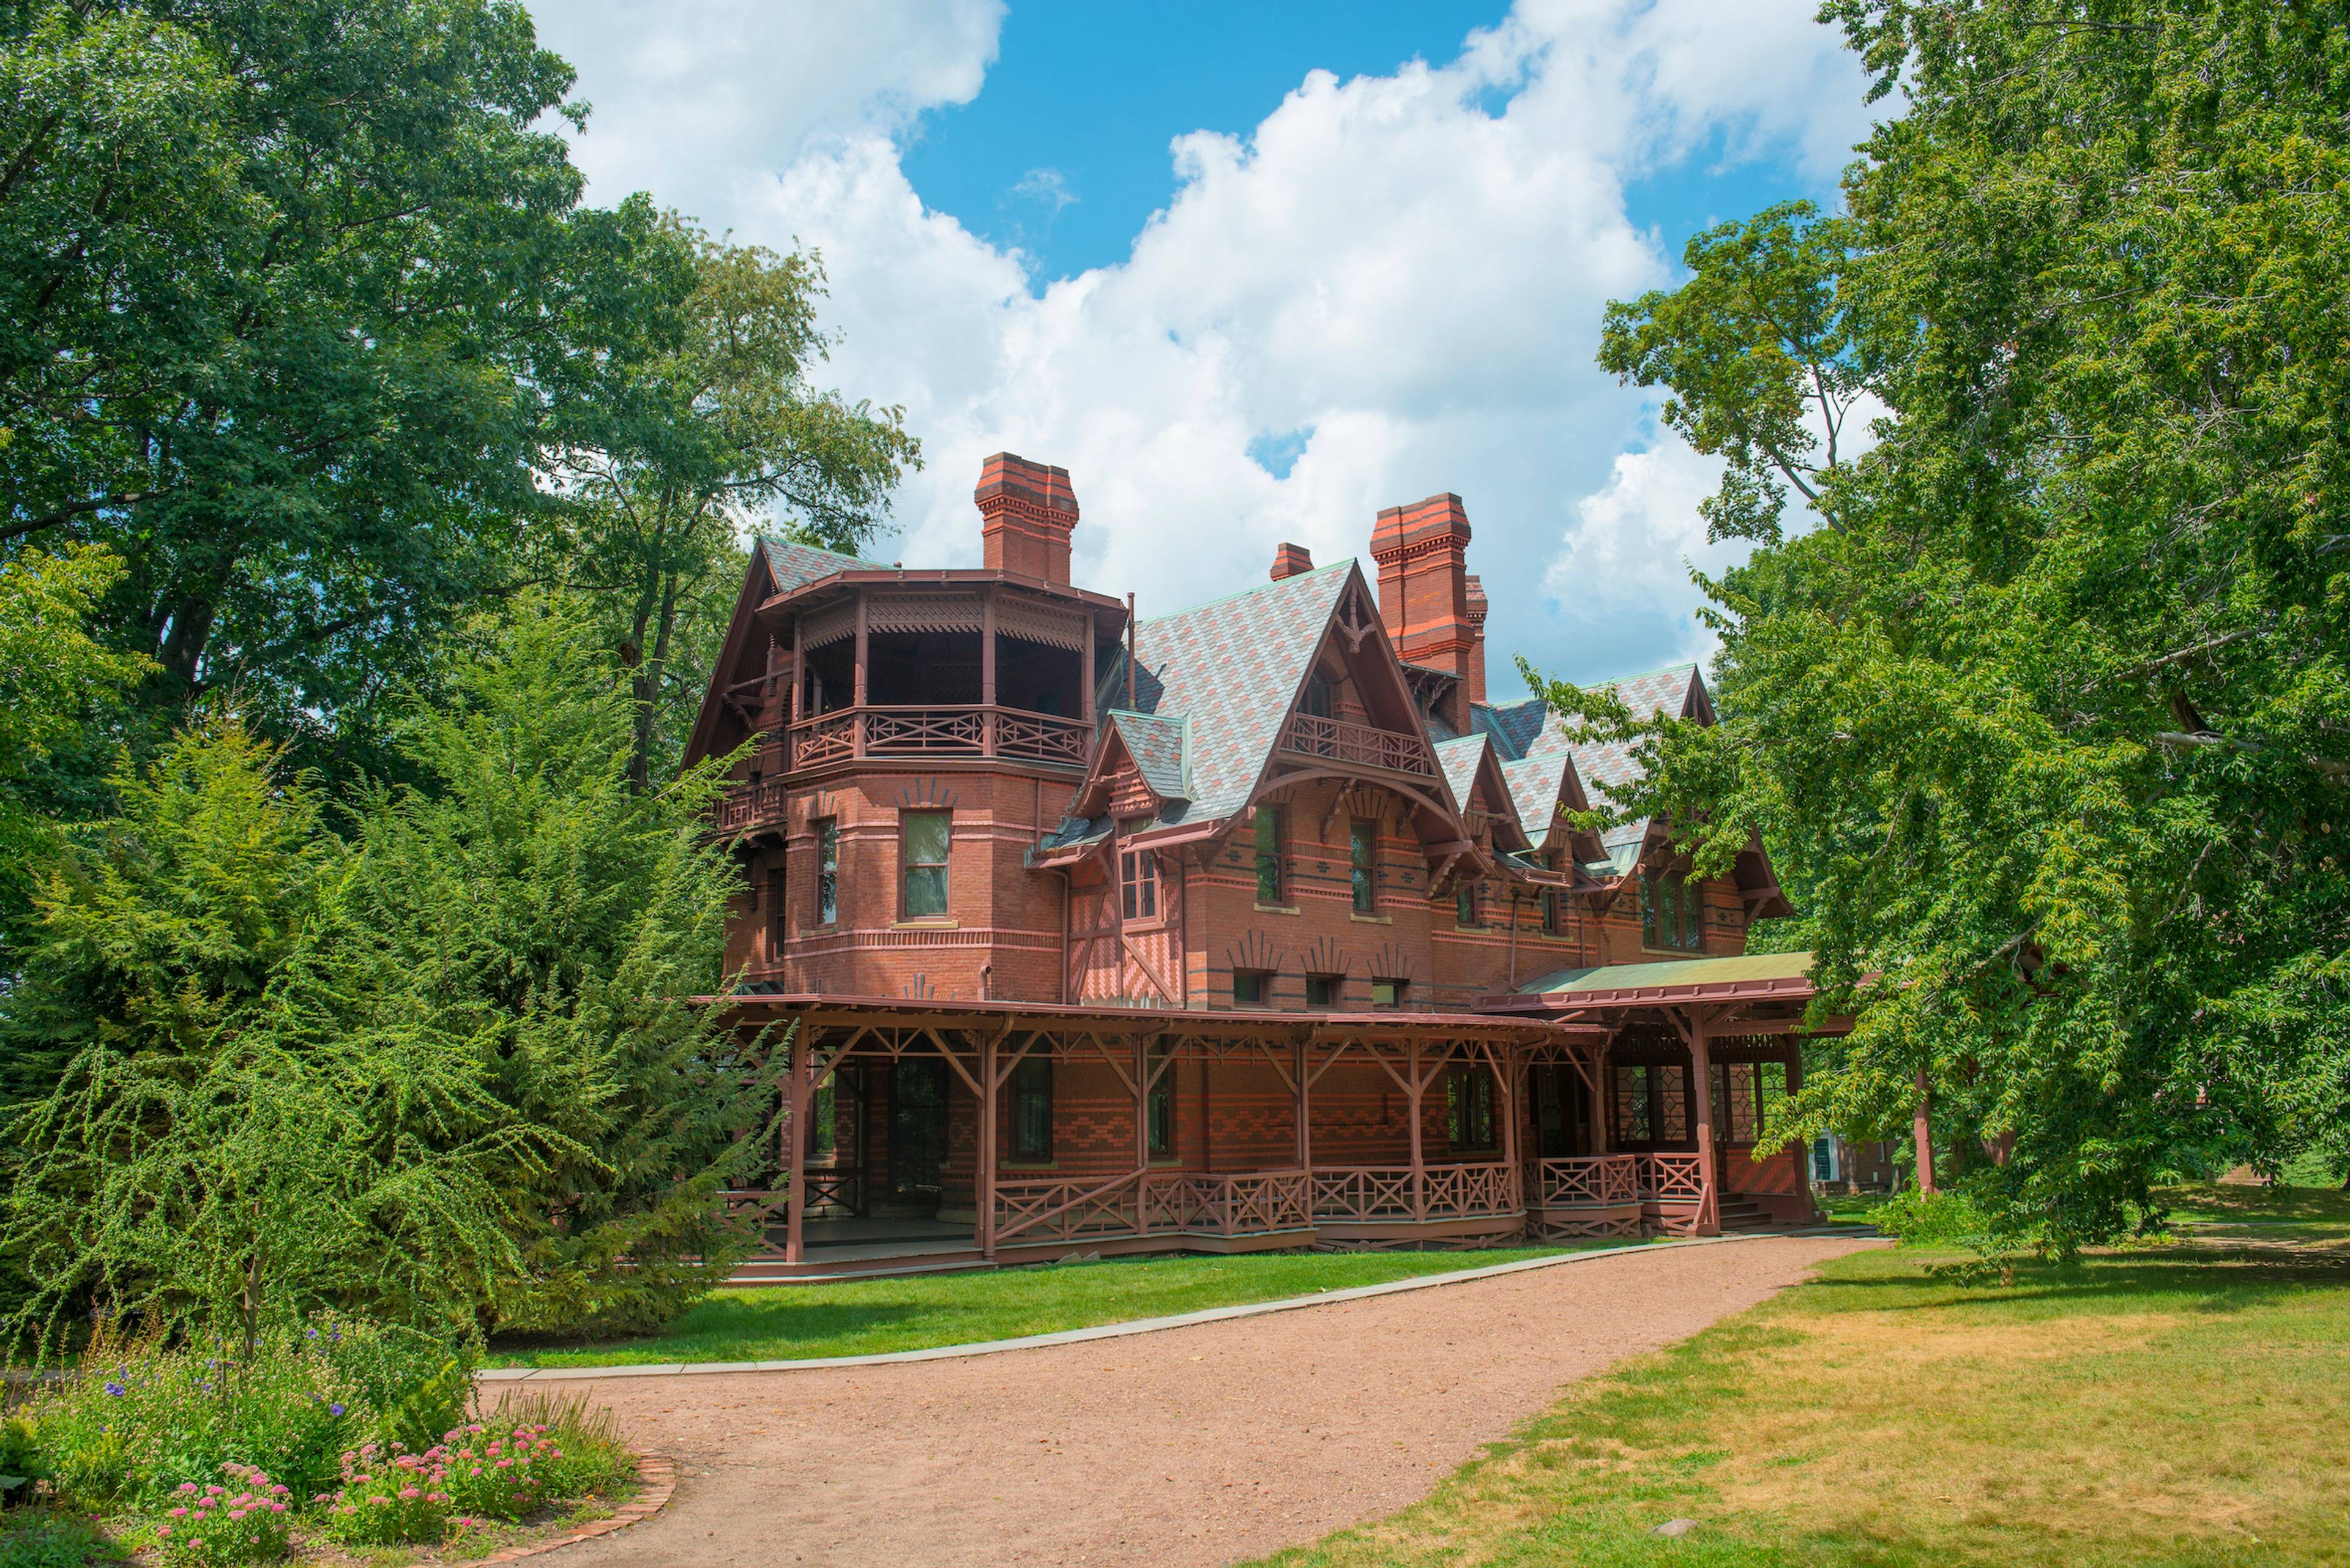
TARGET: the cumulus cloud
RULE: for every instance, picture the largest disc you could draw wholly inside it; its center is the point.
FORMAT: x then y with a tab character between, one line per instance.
1389	287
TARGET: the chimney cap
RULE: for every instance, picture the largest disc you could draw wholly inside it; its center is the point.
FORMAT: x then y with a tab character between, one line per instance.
1290	560
1008	477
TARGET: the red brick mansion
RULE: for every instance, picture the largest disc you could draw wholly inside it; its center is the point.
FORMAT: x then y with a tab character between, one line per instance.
1254	925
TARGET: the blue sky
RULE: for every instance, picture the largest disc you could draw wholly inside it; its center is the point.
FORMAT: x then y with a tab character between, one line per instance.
1251	272
1064	153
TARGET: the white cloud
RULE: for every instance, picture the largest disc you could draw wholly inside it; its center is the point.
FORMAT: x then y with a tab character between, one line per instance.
1398	279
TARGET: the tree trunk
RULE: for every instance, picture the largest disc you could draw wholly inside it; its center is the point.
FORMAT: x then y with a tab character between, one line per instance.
1923	1128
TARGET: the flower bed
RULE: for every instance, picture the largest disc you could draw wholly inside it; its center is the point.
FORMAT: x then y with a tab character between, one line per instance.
327	1442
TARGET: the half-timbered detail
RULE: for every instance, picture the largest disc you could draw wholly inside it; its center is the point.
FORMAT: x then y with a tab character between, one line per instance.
1250	925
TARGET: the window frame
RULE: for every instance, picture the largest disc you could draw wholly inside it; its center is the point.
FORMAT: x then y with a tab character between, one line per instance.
828	870
778	903
1262	978
1400	990
1471	1123
1468	911
1031	1089
1159	1101
1139	893
1334	988
908	867
1363	865
1672	913
1269	879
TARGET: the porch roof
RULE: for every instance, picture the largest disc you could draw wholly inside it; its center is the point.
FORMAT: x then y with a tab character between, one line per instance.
1750	977
941	1012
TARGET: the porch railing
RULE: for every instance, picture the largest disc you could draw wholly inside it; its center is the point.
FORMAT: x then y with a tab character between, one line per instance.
1151	1203
1371	1194
1670	1179
750	805
1596	1179
961	730
1349	743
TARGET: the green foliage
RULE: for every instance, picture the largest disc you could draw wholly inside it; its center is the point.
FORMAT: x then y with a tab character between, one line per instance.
1929	1219
47	1538
142	1421
700	422
446	1074
2047	730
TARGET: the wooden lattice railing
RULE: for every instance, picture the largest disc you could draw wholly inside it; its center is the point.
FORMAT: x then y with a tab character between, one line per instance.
1350	742
963	730
1671	1179
1151	1203
1365	1194
1599	1180
751	805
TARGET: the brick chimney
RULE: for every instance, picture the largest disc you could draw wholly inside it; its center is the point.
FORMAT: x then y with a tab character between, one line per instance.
1291	559
1026	513
1476	640
1422	550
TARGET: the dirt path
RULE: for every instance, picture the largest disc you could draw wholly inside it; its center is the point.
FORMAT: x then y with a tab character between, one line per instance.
1194	1446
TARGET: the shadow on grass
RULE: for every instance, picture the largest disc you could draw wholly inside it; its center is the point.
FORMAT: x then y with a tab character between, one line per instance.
2209	1280
786	1316
2252	1205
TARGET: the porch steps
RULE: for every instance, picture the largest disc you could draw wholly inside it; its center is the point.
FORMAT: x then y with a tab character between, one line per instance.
1744	1214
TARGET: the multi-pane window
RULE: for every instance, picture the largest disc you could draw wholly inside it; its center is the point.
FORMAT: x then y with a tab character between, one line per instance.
1138	884
775	884
1742	1092
1633	1109
923	838
1268	854
1651	1103
828	870
1324	990
1671	913
1032	1109
1362	863
1390	993
1469	1107
1251	987
1464	904
1159	1106
1555	903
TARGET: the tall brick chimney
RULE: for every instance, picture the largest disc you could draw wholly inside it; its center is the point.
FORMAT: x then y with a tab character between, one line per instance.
1425	599
1026	511
1289	560
1476	640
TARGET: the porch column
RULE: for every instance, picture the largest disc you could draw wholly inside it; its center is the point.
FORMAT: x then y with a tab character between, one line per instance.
859	731
1418	1168
987	670
1599	1103
1302	1105
1510	1101
1141	1132
1709	1208
796	1159
988	1093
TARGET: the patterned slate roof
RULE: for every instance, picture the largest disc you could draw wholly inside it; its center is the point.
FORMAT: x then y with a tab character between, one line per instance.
1459	759
1528	732
1155	742
1534	789
1230	668
792	564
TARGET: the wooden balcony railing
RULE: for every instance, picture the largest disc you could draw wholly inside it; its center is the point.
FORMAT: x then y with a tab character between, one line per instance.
1151	1203
751	805
960	731
1670	1179
1596	1179
1348	742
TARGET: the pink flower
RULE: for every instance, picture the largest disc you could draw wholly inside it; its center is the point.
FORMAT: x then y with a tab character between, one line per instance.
189	1486
276	1507
503	1463
179	1513
409	1494
163	1530
237	1513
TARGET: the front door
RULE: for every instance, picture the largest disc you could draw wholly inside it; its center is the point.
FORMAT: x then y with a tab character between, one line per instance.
1561	1110
917	1128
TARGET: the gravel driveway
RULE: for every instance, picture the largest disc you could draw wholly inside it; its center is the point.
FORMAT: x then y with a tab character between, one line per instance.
1194	1446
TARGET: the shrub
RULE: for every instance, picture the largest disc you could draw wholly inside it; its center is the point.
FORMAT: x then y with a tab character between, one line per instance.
388	1496
1930	1220
41	1538
590	1455
141	1420
245	1521
502	1474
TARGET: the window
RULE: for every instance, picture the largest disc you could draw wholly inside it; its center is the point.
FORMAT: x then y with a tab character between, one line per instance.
1159	1106
1251	987
824	1119
1388	994
1137	883
828	870
1316	700
1469	1107
775	883
1324	990
1633	1124
1464	904
1554	902
1268	854
923	837
1671	913
1363	848
1032	1109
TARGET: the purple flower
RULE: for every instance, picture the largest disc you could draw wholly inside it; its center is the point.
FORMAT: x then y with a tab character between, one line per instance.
334	1409
115	1389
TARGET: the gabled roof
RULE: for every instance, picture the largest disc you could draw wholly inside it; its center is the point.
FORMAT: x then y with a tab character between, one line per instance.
1529	734
1155	742
792	564
1459	759
1229	669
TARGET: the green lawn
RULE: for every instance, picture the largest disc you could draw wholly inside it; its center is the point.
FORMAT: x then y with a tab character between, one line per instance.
2180	1405
791	1322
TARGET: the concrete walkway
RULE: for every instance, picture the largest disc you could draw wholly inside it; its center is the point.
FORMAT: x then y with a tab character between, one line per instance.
1185	1446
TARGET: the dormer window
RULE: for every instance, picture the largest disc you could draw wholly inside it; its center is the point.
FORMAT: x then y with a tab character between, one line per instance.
1138	884
1317	699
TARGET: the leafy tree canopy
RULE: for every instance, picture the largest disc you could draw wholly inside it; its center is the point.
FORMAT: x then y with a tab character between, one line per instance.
2051	725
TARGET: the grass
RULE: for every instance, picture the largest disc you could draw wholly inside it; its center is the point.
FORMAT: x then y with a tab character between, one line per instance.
863	1317
2186	1404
